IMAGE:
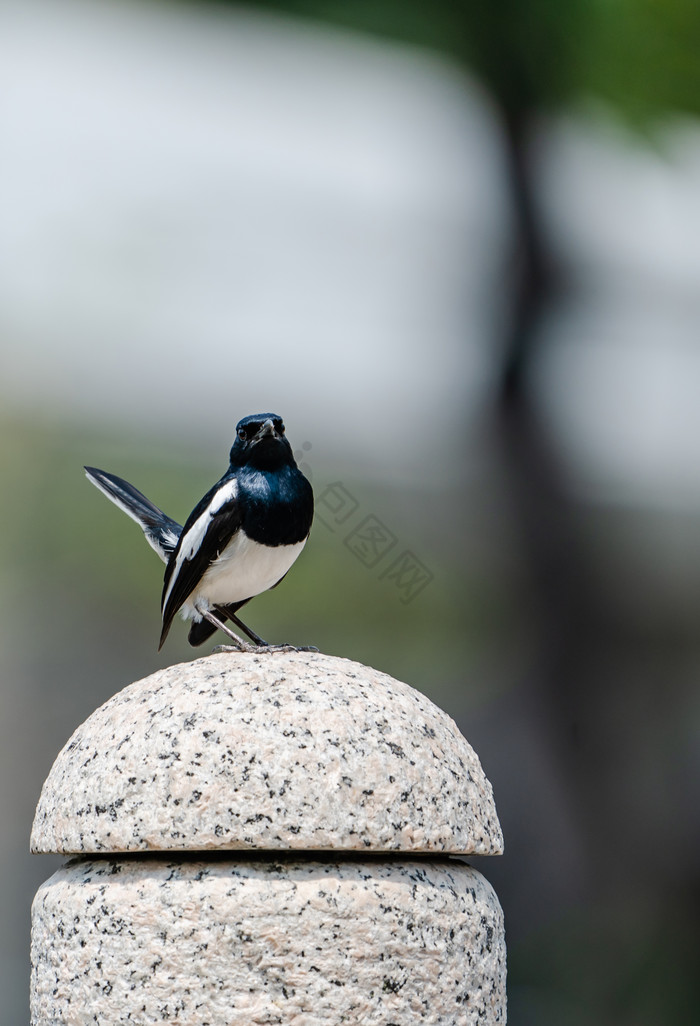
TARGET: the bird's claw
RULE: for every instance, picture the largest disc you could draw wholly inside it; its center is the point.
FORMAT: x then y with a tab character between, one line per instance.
291	648
245	647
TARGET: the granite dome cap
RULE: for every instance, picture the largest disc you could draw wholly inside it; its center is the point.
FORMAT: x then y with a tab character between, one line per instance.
272	752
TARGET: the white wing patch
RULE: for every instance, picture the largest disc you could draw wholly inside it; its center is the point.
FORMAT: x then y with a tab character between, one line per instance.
191	541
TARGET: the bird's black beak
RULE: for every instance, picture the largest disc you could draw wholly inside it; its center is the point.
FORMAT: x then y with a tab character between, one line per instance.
267	430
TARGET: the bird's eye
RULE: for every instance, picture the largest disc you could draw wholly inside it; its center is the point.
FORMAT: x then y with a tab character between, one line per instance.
242	434
280	427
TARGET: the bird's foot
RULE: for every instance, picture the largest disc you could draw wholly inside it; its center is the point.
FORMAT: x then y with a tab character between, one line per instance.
243	647
291	648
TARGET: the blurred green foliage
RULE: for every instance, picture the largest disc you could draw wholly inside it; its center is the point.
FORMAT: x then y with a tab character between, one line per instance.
638	56
645	57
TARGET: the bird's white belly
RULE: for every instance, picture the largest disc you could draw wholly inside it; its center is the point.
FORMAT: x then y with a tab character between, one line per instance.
244	569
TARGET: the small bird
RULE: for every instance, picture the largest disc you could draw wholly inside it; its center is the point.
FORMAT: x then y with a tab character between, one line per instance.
238	541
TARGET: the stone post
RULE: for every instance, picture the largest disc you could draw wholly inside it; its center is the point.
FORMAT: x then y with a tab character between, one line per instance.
267	839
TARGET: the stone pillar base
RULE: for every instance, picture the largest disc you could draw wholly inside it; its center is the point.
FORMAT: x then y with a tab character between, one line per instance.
298	941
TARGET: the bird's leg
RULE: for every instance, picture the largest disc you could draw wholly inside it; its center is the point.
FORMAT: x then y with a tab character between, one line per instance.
239	643
265	644
247	630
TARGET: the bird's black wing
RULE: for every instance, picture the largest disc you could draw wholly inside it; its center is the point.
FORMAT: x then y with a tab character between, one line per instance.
209	528
161	532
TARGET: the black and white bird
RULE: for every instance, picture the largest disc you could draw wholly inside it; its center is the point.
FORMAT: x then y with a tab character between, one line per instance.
238	541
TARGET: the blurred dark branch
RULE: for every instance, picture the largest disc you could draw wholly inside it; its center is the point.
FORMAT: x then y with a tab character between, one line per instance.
563	604
534	279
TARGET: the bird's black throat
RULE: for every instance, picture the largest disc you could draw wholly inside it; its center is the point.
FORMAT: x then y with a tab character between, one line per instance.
277	505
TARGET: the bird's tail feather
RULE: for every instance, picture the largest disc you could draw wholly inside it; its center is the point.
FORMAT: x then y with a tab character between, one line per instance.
161	532
200	632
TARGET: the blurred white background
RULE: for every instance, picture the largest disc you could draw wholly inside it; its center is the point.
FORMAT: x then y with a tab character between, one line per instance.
231	211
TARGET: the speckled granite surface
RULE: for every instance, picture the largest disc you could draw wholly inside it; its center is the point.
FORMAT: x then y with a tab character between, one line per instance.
294	942
277	751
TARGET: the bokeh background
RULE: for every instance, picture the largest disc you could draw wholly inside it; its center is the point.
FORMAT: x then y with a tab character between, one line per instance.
457	247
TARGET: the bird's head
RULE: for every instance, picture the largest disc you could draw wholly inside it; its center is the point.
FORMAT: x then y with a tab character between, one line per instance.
261	443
